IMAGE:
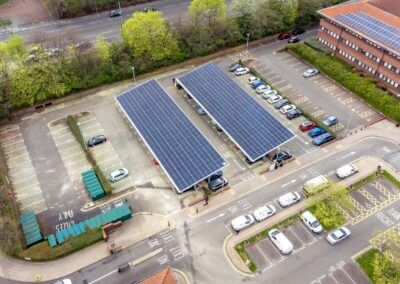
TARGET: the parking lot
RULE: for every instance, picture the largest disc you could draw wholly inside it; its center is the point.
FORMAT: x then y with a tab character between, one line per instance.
318	95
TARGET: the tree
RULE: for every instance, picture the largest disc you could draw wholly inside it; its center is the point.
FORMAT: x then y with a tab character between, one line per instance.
16	49
103	48
289	11
307	11
242	8
269	17
207	11
5	23
385	271
148	36
243	11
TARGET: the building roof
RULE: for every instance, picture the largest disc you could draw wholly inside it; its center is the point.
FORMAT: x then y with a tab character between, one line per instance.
163	277
386	11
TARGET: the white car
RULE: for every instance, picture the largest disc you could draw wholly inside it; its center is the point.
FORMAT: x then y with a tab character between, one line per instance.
242	222
286	108
346	170
252	79
118	175
262	88
311	222
264	212
310	72
269	93
289	198
274	99
338	235
64	281
280	241
241	71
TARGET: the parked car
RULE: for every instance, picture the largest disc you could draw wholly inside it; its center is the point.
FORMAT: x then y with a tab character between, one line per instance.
293	113
257	84
316	185
310	72
294	39
234	67
201	111
252	79
322	139
338	235
242	222
96	140
281	103
64	281
307	125
286	108
214	176
311	222
284	35
316	131
241	71
346	170
115	13
216	126
298	31
274	99
330	121
148	9
268	93
118	175
282	156
280	241
264	212
262	88
32	58
289	198
217	183
52	52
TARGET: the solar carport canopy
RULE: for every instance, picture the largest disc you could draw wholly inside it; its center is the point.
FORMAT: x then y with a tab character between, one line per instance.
183	152
254	130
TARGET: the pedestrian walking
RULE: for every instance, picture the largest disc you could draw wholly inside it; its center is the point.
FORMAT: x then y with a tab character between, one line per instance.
206	201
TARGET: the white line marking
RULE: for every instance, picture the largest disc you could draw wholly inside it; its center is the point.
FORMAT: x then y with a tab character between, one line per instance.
216	217
286	184
104	276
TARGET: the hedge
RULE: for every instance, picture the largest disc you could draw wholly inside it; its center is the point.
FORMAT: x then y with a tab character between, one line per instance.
347	76
73	125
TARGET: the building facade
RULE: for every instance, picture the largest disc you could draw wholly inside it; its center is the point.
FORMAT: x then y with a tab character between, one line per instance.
367	36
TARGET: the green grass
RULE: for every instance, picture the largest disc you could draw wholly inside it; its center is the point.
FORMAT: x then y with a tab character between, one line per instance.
42	251
363	181
350	78
365	262
3	2
391	178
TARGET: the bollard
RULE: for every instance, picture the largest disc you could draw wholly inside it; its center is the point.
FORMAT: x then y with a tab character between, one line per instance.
197	210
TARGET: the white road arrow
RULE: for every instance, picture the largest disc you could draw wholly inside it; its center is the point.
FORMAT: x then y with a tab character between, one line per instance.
292	181
216	217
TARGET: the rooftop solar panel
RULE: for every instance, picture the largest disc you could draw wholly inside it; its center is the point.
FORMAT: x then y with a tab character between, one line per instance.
183	152
254	130
373	27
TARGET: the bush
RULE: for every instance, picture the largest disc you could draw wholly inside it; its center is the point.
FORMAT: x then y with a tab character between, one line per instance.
344	74
365	262
42	251
391	178
328	214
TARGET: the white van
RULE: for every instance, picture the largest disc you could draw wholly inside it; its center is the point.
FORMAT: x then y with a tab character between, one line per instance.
242	222
280	241
311	222
346	170
316	184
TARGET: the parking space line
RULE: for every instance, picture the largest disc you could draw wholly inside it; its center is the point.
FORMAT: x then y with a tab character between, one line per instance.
295	235
265	256
9	130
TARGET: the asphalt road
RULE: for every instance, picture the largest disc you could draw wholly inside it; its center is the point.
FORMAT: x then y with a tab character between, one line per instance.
87	28
201	240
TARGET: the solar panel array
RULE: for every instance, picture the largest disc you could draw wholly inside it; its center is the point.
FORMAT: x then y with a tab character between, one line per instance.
373	27
180	148
254	130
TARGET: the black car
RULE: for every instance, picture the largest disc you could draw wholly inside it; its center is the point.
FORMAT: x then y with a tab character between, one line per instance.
298	31
281	103
115	13
233	67
96	140
217	183
293	113
282	156
294	39
214	176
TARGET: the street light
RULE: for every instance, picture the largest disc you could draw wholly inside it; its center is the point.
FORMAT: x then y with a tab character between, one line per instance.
348	123
247	43
133	74
120	12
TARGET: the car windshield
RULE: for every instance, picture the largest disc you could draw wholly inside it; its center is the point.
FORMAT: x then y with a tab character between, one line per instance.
247	219
315	224
338	234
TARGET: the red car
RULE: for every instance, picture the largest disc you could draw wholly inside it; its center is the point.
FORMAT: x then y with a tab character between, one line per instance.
308	125
284	35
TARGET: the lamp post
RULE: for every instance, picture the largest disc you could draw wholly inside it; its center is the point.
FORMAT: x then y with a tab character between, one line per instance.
133	74
351	116
247	43
120	12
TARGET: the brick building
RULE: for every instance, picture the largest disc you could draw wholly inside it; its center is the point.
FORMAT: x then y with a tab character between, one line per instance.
366	34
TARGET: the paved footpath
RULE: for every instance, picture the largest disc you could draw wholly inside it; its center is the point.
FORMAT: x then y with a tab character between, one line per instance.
26	271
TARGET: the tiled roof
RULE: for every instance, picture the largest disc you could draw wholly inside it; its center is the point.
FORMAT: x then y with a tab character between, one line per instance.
373	8
163	277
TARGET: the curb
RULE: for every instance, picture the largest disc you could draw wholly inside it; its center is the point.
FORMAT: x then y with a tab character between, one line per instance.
182	274
225	249
353	257
145	257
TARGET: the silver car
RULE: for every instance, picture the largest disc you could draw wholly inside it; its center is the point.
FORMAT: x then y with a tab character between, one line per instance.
118	175
338	235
